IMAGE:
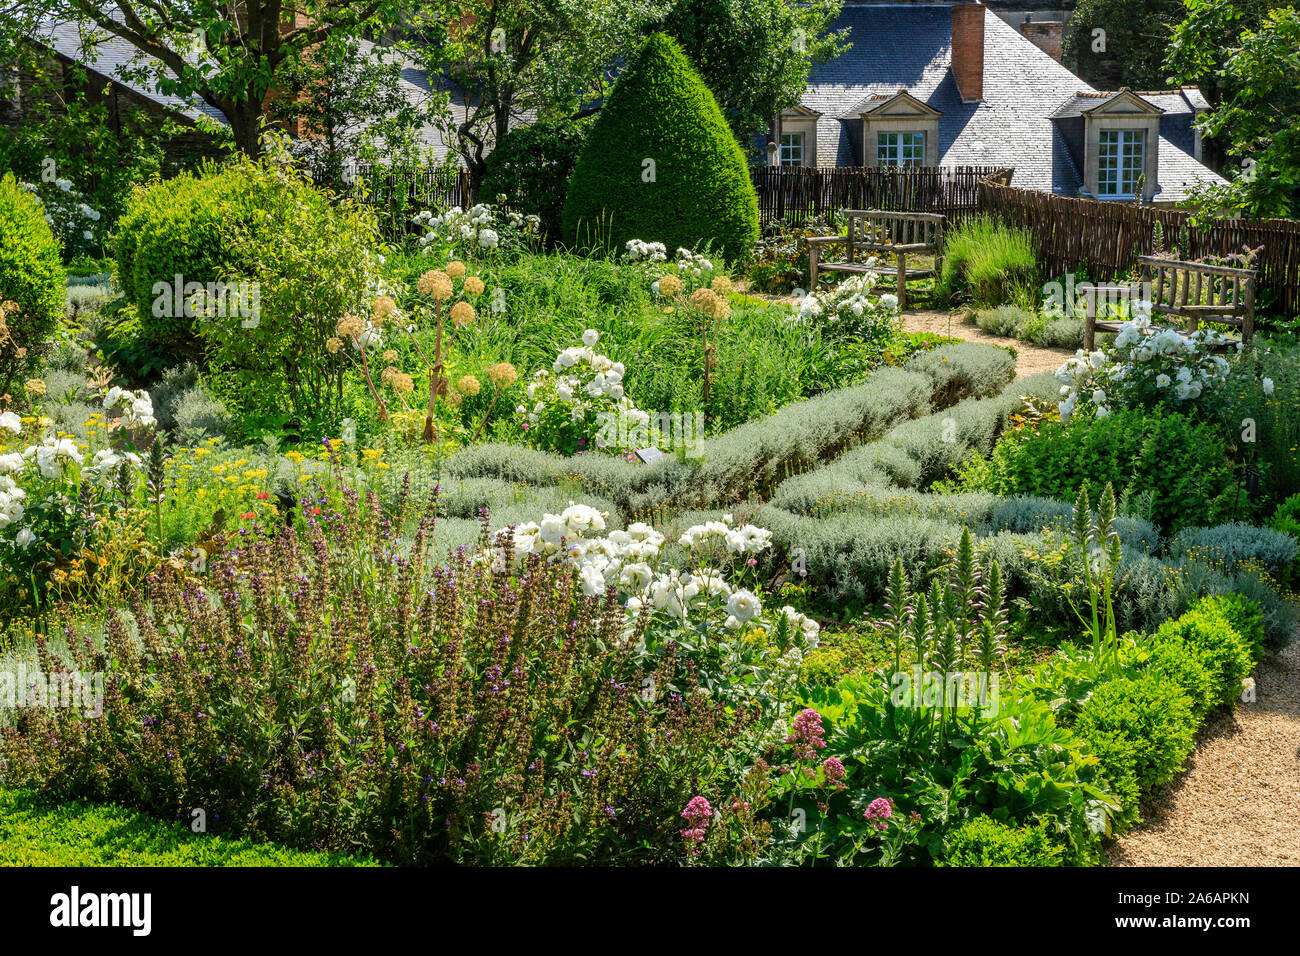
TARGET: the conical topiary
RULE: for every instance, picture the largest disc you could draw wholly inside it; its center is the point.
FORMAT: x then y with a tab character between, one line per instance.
661	164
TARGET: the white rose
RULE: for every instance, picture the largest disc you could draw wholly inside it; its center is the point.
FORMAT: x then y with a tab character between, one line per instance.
743	606
11	422
590	337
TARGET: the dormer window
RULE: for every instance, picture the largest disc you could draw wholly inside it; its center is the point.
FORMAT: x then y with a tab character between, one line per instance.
1121	159
900	149
897	130
792	149
1113	138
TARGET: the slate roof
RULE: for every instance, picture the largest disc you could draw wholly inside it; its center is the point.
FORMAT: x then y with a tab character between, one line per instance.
115	58
111	57
903	46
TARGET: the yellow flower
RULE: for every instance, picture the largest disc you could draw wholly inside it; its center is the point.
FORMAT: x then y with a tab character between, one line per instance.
34	386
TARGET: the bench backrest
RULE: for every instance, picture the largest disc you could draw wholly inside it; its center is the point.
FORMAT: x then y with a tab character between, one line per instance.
1198	290
879	229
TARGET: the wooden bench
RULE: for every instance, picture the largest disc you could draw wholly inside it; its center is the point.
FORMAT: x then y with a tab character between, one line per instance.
1193	291
876	231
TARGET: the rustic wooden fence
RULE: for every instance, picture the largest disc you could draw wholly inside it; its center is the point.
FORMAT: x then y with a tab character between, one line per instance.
800	192
1107	237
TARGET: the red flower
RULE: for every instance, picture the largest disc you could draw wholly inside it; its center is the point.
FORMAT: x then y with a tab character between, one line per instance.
263	495
248	516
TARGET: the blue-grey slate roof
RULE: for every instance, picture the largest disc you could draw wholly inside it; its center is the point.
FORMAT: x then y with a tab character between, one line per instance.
905	46
115	58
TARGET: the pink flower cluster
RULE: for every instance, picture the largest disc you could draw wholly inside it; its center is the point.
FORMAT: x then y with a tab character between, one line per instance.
697	815
880	810
806	734
834	772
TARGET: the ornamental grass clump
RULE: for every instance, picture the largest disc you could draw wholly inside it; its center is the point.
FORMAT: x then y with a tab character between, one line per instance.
332	685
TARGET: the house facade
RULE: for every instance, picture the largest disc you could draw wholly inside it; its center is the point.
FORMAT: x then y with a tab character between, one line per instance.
942	84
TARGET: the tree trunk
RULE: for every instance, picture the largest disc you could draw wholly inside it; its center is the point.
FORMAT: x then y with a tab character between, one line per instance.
246	125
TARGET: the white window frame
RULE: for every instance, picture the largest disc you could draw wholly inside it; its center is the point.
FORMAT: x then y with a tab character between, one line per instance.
792	149
900	148
1121	161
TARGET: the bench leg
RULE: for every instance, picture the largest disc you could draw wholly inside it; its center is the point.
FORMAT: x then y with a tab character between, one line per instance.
1090	322
902	281
812	269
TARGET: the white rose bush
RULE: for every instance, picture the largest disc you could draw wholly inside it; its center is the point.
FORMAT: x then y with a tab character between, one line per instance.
53	488
477	231
569	403
702	596
857	325
1144	367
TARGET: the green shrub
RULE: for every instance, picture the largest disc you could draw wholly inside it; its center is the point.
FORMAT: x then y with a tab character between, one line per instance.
1208	633
1179	463
983	841
531	167
964	370
32	276
989	261
1228	546
1245	615
38	831
698	190
1141	728
1173	660
1009	321
300	261
176	227
1060	334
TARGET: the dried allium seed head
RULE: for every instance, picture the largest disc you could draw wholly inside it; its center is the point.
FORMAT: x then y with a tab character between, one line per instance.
502	374
462	313
474	285
670	285
349	327
468	385
436	284
384	307
455	268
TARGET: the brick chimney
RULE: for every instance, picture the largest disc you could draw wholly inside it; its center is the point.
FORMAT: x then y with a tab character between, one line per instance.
1044	34
968	50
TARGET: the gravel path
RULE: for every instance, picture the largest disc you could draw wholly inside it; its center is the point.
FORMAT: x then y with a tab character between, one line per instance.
1238	804
1030	358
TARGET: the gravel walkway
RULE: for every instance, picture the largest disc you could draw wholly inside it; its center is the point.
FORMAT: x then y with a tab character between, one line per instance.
1238	804
1030	358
